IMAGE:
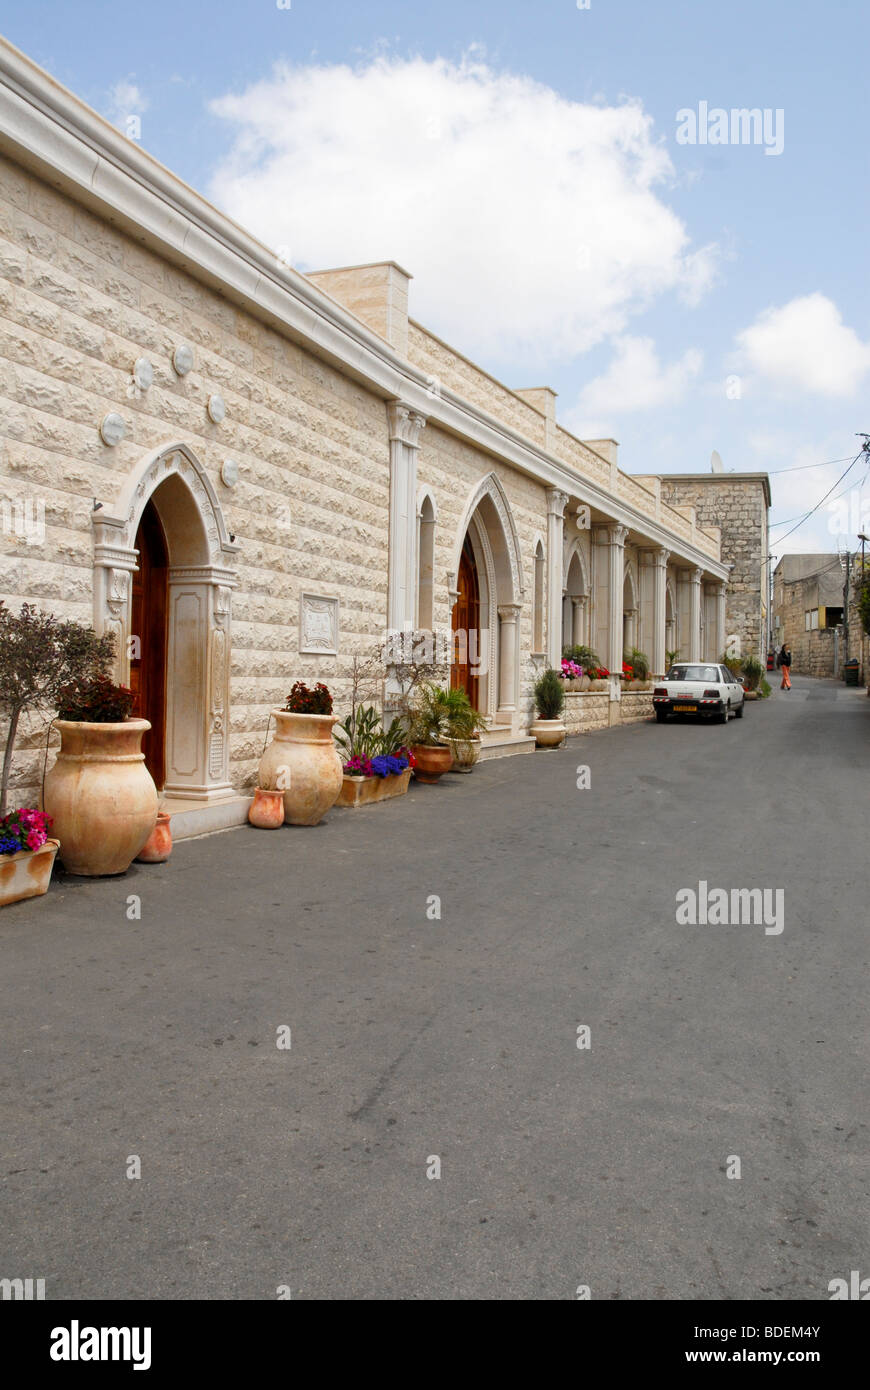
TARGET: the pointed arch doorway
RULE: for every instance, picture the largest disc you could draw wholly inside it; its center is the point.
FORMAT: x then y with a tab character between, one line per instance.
465	655
148	634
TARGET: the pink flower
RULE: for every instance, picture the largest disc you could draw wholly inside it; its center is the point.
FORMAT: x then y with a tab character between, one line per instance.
35	839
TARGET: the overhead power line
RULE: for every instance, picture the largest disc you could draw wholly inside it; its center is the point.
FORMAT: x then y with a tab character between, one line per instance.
814	509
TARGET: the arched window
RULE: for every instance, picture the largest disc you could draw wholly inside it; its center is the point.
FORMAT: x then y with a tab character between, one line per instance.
426	571
538	607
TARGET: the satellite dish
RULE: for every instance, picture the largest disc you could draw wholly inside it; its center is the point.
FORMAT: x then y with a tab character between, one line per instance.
716	465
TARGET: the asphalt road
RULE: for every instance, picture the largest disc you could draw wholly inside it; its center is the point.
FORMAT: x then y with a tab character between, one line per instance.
457	1038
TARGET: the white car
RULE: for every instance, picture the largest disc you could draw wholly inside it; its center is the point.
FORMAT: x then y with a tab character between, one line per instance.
699	688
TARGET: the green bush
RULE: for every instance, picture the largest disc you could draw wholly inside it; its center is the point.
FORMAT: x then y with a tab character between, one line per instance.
549	695
752	671
764	690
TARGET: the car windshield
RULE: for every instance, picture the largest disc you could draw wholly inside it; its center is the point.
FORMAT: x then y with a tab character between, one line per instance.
693	673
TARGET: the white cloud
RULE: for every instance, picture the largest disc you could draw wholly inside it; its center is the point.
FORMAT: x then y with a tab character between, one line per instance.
635	380
532	224
805	346
126	99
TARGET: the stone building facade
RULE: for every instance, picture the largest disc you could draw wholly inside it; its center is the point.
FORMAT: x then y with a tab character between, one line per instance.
265	472
739	504
810	613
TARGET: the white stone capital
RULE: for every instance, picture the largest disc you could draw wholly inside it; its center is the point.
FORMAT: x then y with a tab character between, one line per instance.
405	423
557	501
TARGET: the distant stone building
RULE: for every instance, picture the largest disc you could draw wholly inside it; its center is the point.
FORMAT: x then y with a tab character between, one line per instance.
738	503
810	615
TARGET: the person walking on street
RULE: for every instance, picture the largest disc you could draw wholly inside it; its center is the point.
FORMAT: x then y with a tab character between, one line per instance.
785	665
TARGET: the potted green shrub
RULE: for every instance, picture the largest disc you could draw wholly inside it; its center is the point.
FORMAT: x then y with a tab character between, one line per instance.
301	760
99	793
548	729
431	714
465	724
752	673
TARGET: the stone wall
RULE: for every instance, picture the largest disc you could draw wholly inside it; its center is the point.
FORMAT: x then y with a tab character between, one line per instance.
588	710
738	506
79	303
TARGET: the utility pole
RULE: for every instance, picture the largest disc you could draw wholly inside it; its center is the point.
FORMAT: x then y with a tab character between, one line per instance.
846	609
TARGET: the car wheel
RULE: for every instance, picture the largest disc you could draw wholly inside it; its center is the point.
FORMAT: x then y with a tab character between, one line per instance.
722	716
661	716
739	711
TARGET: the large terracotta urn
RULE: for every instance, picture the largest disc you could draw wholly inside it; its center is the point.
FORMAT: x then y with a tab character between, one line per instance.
302	761
100	795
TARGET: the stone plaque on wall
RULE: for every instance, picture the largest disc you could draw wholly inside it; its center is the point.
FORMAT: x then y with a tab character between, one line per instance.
318	625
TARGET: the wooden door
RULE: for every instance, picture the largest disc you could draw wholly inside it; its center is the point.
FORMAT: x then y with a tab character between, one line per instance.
466	620
148	624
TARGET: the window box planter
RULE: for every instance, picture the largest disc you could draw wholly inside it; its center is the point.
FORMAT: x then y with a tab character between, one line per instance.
365	791
26	874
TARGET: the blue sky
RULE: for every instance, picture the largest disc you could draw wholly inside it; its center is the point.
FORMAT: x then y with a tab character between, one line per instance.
522	162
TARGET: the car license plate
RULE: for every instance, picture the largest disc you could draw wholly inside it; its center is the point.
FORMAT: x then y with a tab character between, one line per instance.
688	709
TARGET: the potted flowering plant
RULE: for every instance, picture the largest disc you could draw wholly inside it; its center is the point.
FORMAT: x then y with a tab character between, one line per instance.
26	855
586	659
376	763
572	674
599	678
638	664
301	760
99	793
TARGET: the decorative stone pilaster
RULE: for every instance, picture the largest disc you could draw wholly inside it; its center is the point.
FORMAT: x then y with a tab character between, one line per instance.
405	425
508	666
556	503
616	538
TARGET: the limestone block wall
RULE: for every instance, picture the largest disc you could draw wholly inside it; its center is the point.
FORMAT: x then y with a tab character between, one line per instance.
451	470
79	302
738	507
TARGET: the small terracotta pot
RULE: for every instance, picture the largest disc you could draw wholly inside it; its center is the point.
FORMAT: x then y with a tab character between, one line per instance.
432	762
158	847
266	811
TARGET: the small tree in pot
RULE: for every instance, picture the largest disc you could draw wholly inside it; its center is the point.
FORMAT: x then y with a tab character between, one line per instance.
429	729
548	729
39	654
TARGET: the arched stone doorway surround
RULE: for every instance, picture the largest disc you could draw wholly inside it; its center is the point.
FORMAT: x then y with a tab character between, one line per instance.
201	577
489	525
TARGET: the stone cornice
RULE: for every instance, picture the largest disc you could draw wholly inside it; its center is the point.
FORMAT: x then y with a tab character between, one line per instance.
48	130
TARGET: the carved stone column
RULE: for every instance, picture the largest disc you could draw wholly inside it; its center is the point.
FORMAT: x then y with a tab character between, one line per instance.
508	671
579	604
405	426
695	577
654	566
556	503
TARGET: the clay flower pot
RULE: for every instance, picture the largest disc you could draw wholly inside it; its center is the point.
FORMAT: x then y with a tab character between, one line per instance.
158	847
101	796
27	873
432	761
465	753
266	811
548	733
302	762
